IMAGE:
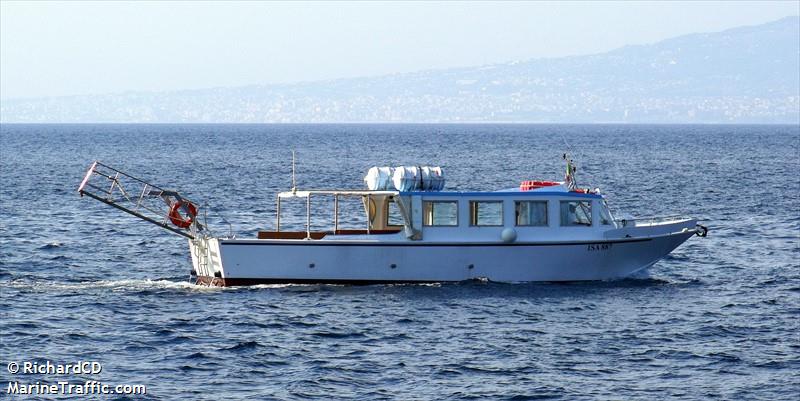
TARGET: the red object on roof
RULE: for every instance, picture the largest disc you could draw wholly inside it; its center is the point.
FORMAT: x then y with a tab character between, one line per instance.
531	185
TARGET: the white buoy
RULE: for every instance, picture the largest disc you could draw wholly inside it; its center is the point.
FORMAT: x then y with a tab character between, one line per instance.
508	235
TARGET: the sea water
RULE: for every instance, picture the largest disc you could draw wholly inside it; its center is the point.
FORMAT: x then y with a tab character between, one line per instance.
717	319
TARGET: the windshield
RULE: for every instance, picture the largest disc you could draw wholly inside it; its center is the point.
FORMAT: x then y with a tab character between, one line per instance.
576	213
605	214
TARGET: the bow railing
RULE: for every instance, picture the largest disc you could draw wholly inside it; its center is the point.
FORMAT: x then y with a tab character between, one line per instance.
649	221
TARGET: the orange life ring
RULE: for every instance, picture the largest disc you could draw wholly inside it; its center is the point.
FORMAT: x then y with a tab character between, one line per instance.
177	218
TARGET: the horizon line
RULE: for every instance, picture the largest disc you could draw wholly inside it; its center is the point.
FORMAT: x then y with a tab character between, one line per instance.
409	123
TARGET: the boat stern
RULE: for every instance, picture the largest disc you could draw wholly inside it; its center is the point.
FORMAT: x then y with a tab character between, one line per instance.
207	261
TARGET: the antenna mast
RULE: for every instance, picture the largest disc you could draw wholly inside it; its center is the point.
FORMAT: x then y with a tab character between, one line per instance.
294	182
569	177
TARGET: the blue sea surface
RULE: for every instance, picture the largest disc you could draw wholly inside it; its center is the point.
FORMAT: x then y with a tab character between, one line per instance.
717	319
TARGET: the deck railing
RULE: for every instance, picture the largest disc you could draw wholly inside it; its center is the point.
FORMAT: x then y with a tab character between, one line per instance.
649	221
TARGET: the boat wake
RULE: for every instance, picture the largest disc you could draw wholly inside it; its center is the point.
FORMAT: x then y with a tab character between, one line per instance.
113	285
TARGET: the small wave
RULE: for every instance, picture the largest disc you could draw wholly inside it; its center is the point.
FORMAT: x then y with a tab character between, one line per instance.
163	332
471	369
303	324
274	286
187	368
477	281
51	245
542	396
724	357
416	284
197	355
243	346
773	364
251	324
337	335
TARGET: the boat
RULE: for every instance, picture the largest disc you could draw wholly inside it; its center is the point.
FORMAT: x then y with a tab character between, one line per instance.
413	231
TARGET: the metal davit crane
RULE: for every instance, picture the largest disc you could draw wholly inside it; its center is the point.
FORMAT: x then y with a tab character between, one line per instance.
167	209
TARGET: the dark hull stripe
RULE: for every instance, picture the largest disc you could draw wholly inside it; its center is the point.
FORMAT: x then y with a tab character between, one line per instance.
235	282
415	244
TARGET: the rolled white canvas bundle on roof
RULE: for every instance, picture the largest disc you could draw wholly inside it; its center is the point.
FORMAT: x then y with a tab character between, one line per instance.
418	178
405	179
379	178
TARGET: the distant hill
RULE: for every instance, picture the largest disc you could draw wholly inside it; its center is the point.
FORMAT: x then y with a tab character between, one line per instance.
743	75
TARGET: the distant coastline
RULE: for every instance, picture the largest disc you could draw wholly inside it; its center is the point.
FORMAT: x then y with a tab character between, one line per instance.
745	75
384	123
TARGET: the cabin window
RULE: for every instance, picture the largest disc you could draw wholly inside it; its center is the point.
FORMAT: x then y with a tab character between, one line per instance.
576	213
440	213
393	215
531	213
486	213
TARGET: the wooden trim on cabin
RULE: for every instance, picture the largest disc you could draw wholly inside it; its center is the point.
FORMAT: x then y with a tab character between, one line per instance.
364	232
290	234
319	234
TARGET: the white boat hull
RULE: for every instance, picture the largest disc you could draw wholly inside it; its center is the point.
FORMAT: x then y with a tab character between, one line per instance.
248	262
542	231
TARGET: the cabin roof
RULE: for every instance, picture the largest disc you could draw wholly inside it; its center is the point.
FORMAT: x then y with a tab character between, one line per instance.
340	192
515	192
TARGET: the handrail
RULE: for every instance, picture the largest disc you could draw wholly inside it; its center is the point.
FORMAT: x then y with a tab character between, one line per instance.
649	220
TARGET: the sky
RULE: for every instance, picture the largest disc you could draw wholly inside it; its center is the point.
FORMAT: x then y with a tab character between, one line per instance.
52	48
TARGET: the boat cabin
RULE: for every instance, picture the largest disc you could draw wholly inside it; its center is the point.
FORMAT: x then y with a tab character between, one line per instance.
441	216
